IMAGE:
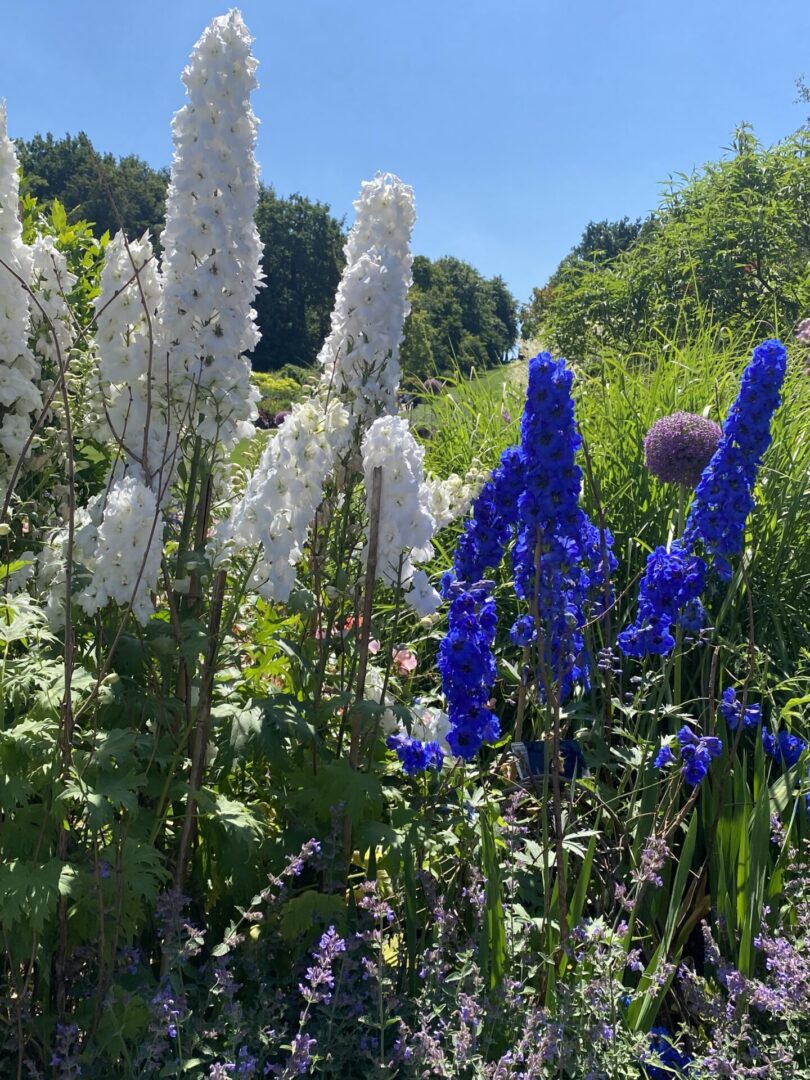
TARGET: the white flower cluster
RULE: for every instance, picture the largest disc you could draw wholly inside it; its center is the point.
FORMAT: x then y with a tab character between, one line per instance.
284	492
360	357
405	523
447	500
126	549
212	252
51	281
132	374
20	397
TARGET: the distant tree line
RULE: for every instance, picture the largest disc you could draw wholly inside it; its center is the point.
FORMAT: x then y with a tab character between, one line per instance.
459	319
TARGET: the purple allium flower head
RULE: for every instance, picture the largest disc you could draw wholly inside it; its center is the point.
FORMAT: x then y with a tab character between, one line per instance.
678	448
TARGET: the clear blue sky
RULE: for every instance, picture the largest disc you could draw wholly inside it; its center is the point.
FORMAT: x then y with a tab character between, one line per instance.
516	121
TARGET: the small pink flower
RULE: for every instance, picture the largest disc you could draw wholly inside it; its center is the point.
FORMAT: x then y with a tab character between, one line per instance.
404	661
373	646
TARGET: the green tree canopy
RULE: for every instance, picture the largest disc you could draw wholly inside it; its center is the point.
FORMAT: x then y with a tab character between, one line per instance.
458	318
99	188
729	243
302	262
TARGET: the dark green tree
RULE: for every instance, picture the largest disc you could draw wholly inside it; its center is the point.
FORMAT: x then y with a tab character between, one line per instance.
458	319
302	262
107	191
600	243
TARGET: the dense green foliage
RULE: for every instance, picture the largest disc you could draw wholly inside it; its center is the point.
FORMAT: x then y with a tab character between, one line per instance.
730	244
109	193
459	319
302	263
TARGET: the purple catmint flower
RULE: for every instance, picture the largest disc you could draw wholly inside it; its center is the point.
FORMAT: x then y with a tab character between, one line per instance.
678	448
654	857
320	980
64	1058
302	1049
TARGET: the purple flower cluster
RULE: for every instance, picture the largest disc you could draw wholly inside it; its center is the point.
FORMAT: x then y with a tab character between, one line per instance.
672	583
679	447
783	747
320	979
467	666
696	755
416	756
731	711
673	580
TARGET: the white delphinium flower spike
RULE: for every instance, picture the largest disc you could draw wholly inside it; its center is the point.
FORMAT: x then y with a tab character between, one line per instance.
212	252
20	398
405	523
360	357
132	372
284	493
51	281
128	550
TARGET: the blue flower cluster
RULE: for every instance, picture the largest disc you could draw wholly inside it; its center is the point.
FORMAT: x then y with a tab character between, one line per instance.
731	711
555	535
483	542
724	496
783	747
696	755
416	756
534	492
668	1054
674	580
467	667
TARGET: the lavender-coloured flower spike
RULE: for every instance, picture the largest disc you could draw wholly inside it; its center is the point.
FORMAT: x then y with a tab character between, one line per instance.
679	447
